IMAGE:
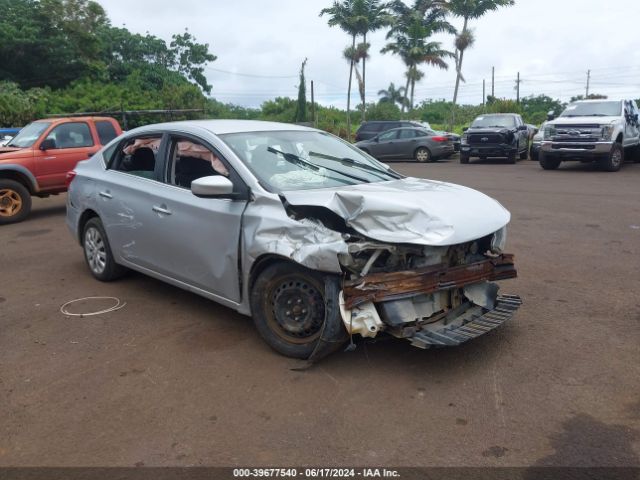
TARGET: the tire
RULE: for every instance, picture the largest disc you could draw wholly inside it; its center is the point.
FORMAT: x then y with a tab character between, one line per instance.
15	202
422	155
511	158
614	160
296	311
548	163
464	158
635	154
524	155
97	252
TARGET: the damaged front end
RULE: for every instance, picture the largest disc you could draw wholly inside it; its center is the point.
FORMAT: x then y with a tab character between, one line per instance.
431	296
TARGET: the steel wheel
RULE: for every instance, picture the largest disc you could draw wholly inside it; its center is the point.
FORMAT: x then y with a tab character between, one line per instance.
95	250
10	202
297	310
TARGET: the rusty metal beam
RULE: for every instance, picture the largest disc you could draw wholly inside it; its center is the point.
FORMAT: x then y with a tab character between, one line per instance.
378	287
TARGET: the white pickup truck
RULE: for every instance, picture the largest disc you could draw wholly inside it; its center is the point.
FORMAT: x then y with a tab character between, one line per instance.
592	130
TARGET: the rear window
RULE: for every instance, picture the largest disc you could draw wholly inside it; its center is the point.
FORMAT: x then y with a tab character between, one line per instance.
106	131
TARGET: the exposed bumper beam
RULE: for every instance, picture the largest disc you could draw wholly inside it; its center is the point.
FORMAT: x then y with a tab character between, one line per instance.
378	287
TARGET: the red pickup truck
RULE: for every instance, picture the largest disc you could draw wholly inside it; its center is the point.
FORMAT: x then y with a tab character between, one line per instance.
36	161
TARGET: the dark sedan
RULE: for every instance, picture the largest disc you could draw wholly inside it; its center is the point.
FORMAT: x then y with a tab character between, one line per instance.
419	143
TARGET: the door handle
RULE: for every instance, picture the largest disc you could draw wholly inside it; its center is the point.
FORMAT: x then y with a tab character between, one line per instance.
162	209
106	195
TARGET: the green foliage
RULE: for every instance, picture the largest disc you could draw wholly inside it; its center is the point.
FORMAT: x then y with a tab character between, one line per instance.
301	106
383	111
18	107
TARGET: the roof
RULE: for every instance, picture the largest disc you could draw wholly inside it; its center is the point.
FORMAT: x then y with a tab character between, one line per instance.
73	119
220	127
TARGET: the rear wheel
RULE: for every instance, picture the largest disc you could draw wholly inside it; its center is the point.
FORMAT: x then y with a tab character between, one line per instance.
15	202
422	155
295	312
464	158
97	252
548	163
615	159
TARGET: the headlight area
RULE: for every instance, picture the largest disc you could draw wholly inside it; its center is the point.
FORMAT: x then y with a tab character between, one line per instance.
607	132
499	241
431	296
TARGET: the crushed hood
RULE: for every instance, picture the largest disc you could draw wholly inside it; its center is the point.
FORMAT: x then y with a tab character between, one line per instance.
411	210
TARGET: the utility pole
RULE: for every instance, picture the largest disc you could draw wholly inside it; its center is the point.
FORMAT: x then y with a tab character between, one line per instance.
313	106
518	88
588	80
483	93
493	81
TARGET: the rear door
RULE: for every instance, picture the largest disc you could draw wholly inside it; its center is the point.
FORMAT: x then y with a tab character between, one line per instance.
406	143
73	143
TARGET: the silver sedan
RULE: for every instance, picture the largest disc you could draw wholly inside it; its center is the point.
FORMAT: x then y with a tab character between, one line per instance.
419	143
315	240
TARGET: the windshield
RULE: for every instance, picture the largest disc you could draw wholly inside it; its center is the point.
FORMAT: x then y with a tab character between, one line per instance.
304	160
29	134
593	109
504	121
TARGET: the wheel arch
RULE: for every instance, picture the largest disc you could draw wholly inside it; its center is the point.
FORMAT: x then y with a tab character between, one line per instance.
87	215
21	175
262	263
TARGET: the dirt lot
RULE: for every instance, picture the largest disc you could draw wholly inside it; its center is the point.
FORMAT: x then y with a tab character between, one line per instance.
173	379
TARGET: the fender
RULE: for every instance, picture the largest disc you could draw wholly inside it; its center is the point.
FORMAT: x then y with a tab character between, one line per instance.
33	183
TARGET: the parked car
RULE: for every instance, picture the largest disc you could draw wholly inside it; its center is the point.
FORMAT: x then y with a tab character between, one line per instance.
297	228
36	161
6	134
418	143
495	135
601	131
372	128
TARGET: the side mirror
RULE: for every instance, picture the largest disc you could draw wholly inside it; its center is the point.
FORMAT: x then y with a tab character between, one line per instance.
635	117
464	129
551	115
211	187
48	144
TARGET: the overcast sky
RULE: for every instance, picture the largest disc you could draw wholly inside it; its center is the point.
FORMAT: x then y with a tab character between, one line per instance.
261	43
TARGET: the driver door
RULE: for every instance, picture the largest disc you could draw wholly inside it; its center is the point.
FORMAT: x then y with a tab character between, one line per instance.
199	237
387	144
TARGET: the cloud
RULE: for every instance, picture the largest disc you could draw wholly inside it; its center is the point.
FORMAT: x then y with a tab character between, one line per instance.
551	43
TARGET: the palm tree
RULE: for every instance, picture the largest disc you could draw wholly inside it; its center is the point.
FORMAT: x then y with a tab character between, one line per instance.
354	55
369	16
468	10
392	95
411	30
341	14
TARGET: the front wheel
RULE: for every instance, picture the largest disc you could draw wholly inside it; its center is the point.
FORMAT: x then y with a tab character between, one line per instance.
422	155
548	163
511	158
464	158
296	311
613	161
524	155
15	202
97	252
